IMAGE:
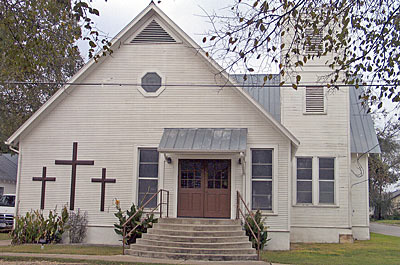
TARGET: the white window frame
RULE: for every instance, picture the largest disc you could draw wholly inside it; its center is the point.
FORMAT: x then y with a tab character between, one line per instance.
275	173
311	180
315	181
305	101
136	159
151	94
334	180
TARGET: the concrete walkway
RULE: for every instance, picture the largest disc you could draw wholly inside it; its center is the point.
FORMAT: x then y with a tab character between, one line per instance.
384	229
127	258
5	243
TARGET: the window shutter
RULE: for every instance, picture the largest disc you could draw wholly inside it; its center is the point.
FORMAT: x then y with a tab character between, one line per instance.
315	100
315	44
153	33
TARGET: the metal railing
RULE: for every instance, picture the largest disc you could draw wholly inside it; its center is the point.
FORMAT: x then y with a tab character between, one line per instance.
159	205
251	214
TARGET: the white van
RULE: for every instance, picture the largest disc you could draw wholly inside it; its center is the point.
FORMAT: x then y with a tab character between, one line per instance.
7	211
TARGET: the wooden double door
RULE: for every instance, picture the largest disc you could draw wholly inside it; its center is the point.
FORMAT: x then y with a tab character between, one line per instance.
204	188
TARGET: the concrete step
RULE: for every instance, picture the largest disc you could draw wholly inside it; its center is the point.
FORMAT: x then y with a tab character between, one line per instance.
198	221
178	238
193	250
195	233
196	227
195	239
225	245
187	256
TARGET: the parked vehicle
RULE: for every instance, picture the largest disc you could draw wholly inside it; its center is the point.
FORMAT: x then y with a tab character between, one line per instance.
7	211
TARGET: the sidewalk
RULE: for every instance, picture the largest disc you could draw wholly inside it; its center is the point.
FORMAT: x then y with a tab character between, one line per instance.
127	258
385	229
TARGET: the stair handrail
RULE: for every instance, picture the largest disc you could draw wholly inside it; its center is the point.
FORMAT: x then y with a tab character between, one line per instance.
159	205
251	214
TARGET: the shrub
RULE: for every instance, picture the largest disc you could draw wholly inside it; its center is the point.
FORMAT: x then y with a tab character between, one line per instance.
263	234
33	227
77	226
143	222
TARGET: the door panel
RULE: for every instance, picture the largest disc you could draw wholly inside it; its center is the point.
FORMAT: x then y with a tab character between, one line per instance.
191	190
217	191
204	188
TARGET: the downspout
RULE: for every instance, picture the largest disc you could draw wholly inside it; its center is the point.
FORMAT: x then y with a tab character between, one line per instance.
13	149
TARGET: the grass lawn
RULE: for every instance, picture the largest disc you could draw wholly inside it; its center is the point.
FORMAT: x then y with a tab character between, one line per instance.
4	236
381	249
63	249
388	222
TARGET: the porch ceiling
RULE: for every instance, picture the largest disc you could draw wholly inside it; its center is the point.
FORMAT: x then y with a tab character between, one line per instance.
203	140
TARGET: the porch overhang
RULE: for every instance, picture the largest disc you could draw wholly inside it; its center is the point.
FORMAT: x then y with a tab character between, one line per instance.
203	140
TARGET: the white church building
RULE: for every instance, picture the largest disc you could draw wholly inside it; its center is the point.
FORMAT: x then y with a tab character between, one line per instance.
160	114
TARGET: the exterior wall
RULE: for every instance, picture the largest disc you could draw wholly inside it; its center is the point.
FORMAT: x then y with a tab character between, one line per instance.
396	202
110	123
9	187
320	135
360	196
317	234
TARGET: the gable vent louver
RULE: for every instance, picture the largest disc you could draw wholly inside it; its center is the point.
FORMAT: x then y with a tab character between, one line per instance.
153	33
315	100
315	44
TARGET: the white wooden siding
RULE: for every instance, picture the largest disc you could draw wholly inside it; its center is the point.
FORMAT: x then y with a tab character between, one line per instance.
321	135
109	122
359	190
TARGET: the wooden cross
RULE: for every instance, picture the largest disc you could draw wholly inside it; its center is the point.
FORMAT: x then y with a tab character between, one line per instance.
74	162
43	179
103	181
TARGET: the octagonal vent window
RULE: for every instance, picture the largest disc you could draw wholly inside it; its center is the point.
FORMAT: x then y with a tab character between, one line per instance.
151	82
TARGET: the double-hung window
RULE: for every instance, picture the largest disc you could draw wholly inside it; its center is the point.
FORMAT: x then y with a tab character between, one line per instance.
148	176
261	168
304	180
327	180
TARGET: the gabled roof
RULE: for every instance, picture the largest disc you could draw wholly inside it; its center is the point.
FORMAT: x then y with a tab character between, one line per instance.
8	167
395	194
144	16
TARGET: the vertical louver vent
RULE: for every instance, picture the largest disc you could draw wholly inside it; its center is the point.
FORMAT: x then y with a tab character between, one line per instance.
153	33
315	41
315	100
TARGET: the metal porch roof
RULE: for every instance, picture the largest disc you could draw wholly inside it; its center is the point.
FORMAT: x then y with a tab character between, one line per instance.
227	140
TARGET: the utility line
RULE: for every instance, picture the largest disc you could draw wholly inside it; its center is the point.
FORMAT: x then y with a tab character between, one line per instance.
190	85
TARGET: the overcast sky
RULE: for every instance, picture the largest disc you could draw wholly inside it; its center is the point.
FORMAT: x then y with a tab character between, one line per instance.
187	14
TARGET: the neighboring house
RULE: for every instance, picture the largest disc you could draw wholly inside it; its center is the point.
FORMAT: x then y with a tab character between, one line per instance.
8	173
396	199
160	114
